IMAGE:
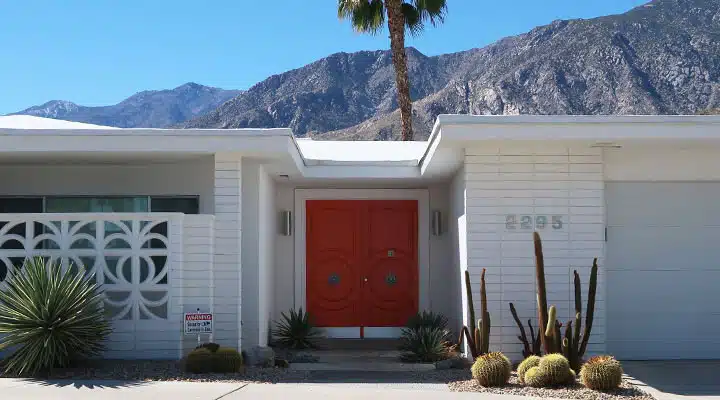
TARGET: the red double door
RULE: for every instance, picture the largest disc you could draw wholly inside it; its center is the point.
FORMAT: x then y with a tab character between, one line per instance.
361	262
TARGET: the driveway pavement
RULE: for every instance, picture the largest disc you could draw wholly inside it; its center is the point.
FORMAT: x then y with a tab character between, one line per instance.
668	380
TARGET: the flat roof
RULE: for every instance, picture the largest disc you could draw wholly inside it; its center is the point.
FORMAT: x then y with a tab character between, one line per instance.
443	151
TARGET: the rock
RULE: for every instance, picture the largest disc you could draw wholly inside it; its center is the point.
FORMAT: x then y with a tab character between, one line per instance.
260	356
302	358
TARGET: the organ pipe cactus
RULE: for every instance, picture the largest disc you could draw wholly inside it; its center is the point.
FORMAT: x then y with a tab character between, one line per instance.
573	344
477	336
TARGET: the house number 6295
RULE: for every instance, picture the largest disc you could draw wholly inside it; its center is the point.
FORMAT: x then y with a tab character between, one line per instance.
513	221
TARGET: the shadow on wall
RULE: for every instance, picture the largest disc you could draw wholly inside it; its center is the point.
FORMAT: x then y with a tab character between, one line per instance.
686	377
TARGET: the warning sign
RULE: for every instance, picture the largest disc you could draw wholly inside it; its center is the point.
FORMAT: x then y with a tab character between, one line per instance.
197	323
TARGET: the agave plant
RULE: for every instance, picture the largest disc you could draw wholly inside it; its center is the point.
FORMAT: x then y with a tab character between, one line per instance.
428	319
424	344
50	317
296	330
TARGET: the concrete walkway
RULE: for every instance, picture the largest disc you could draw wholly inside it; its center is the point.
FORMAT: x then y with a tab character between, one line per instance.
112	390
673	380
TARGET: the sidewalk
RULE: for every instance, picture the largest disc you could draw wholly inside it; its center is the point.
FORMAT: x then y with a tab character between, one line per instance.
112	390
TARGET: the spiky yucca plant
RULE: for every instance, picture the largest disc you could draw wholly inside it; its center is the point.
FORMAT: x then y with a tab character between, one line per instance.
296	330
424	344
428	319
51	317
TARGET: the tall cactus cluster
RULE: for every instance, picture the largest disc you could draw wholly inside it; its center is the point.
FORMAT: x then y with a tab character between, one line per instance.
477	335
573	345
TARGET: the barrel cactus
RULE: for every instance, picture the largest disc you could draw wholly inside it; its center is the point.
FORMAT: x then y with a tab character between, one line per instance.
226	360
535	378
601	373
532	361
199	361
492	369
556	369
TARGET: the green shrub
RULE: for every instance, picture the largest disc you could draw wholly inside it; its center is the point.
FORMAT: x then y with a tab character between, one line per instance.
296	331
428	319
52	317
199	361
492	369
535	378
226	360
424	344
532	361
601	373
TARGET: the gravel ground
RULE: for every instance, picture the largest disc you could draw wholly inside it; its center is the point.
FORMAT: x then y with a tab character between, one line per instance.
577	391
167	371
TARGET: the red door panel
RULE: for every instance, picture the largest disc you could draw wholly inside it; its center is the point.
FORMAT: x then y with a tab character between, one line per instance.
390	294
332	280
361	261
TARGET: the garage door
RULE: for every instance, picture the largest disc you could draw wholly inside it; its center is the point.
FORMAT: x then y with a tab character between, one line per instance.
663	270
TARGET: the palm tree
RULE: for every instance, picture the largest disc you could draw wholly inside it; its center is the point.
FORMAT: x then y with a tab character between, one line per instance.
368	16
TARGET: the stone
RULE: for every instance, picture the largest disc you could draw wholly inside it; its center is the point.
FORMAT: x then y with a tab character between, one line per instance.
455	362
260	356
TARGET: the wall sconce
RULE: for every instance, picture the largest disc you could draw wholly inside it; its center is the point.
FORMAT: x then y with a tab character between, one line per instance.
286	224
437	225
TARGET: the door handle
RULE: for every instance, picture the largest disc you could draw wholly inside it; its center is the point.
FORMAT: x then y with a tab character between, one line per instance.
365	279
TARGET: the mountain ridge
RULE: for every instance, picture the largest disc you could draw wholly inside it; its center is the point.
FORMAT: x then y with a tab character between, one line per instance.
148	108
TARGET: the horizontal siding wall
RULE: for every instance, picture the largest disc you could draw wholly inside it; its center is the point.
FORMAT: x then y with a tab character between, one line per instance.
196	281
534	181
228	234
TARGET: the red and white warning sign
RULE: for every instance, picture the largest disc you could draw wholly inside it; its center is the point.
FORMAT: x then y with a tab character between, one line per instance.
197	323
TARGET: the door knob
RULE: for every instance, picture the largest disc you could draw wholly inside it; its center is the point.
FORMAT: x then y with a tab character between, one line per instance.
365	279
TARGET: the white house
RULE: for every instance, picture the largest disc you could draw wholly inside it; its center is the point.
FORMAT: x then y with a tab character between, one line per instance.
250	223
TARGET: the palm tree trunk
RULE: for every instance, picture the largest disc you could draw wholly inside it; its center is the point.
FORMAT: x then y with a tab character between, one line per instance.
396	26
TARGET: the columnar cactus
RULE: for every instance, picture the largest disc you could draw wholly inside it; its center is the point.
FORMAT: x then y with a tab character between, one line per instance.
478	336
601	373
492	369
542	293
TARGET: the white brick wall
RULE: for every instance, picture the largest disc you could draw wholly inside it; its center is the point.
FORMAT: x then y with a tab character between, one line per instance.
227	273
534	180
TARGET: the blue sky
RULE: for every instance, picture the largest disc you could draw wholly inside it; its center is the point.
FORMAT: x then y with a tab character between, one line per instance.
98	52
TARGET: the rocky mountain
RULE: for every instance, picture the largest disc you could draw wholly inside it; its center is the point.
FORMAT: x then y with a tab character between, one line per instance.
659	58
147	109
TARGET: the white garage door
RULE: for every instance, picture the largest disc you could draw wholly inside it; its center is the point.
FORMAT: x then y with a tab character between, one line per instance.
663	270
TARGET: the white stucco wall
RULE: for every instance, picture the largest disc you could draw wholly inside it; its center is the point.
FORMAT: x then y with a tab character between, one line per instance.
267	233
192	177
534	180
259	223
457	233
657	162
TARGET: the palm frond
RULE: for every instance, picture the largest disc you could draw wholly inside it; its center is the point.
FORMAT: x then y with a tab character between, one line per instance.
366	16
418	12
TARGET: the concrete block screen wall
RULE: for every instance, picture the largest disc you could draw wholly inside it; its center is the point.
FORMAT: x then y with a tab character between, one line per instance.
512	190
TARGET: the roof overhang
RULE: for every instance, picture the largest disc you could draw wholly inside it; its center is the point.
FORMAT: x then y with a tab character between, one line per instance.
439	157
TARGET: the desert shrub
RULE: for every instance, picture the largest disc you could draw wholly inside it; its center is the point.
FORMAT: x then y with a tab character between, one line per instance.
492	369
424	344
601	373
199	361
296	330
525	365
51	317
226	360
